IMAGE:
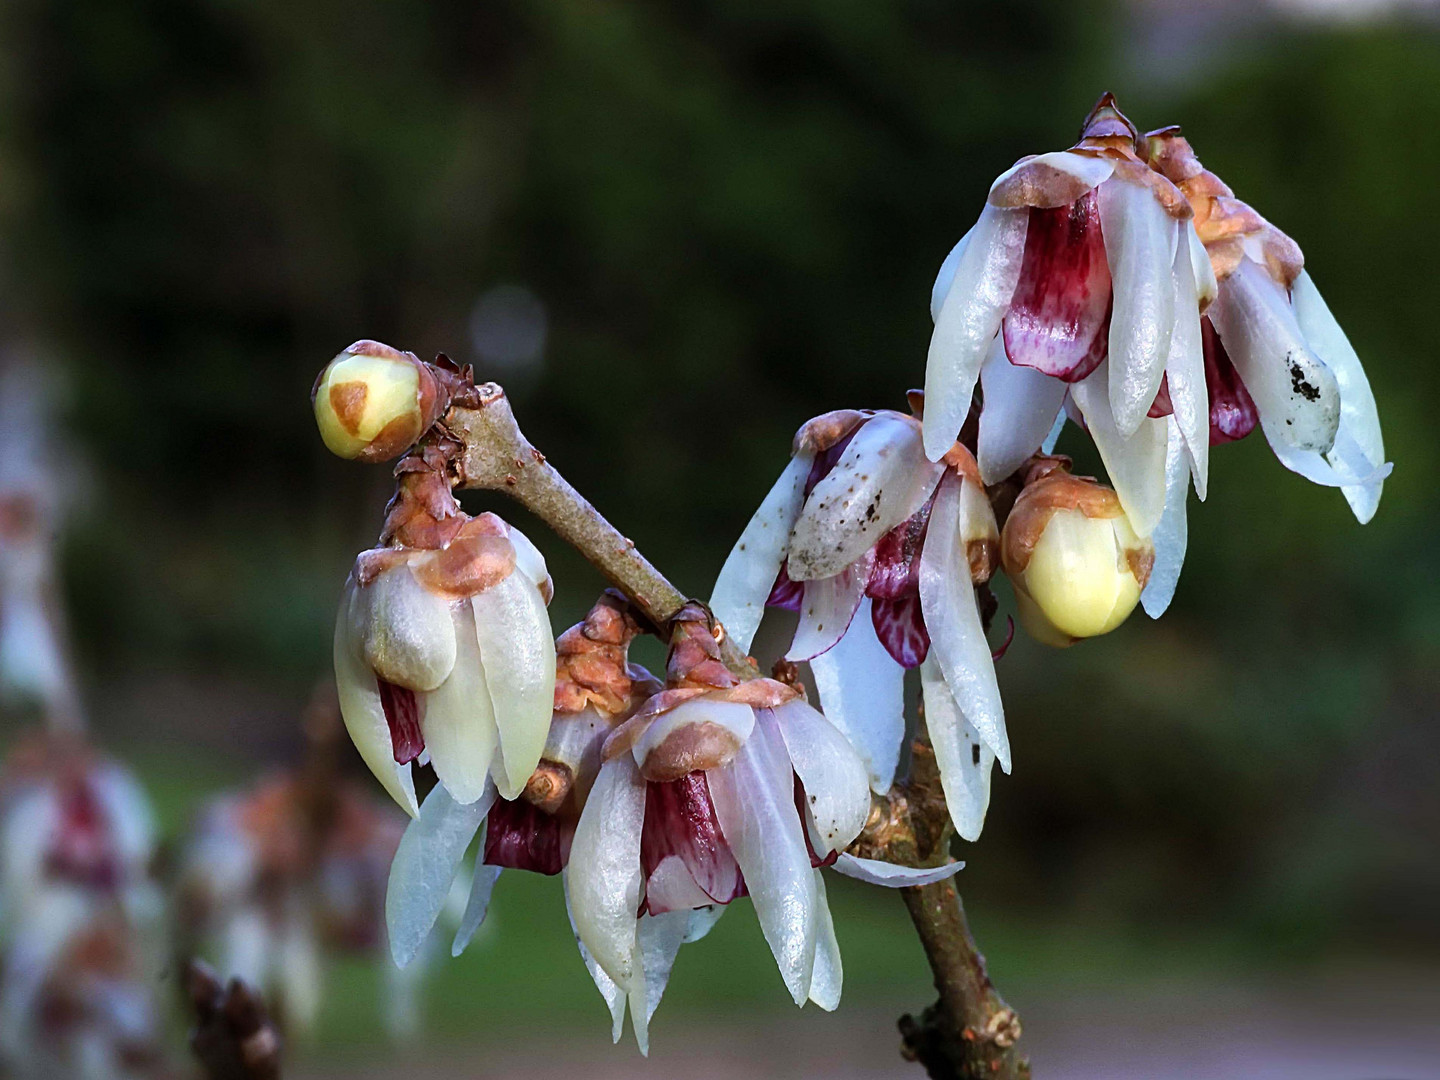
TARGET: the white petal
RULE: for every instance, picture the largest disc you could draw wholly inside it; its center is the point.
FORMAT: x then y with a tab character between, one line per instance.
1140	242
518	652
298	959
946	277
837	787
754	799
827	610
829	974
129	815
1136	465
604	875
1048	446
1090	170
957	639
736	718
1297	396
965	762
893	875
405	631
528	559
1202	271
1185	371
1359	419
862	690
750	569
660	939
880	480
425	863
1344	466
1171	535
248	946
985	276
1020	409
458	720
703	920
613	995
477	906
365	717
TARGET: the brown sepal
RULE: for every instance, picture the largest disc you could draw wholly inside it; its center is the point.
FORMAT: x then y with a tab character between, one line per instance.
1107	129
1038	502
591	659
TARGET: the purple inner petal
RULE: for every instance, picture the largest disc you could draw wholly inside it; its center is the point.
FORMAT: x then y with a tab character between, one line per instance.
785	593
900	626
402	713
826	460
1232	410
815	860
1161	406
83	850
680	820
1059	316
521	836
896	572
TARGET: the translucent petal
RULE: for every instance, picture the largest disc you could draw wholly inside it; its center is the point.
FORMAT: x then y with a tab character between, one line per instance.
1091	171
829	974
957	638
1170	536
477	906
405	631
604	875
518	651
1359	419
660	939
880	480
862	690
613	995
946	277
425	863
836	782
458	720
1297	395
1048	446
965	762
1140	242
364	717
1185	371
1202	271
528	559
754	798
827	610
1020	409
702	921
743	586
984	282
129	815
893	875
1136	465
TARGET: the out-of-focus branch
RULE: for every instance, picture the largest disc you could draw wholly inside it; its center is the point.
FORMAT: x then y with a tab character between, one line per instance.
969	1032
234	1037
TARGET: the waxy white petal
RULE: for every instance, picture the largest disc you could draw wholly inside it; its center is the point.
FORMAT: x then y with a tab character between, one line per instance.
754	800
984	283
946	276
477	906
517	650
1136	465
862	690
1185	371
703	920
1140	243
365	717
604	876
614	997
750	569
660	939
1359	419
458	719
880	480
837	788
733	716
528	559
829	973
1171	535
1297	396
1048	446
130	818
827	608
1090	170
893	875
1202	271
965	762
425	863
1020	409
957	638
405	631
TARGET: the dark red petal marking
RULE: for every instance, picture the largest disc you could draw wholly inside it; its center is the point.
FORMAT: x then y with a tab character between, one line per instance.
1232	411
785	593
1161	406
680	820
402	713
997	654
83	851
1062	302
521	836
896	572
815	860
900	626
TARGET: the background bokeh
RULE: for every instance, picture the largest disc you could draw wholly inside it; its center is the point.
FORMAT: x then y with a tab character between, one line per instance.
674	232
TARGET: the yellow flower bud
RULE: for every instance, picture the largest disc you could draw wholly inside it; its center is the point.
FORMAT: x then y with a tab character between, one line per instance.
1076	564
372	402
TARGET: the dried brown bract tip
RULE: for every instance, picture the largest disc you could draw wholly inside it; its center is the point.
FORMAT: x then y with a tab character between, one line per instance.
1106	128
824	431
233	1037
549	786
592	665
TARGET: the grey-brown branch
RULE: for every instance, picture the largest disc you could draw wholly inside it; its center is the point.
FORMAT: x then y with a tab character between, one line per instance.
969	1032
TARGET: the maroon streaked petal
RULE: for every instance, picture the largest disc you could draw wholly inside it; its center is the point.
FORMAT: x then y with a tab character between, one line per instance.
1232	411
826	460
521	836
680	821
900	626
1161	406
83	851
1062	301
996	654
896	572
785	593
402	713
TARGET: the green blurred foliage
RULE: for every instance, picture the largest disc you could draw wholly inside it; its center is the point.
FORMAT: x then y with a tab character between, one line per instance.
732	212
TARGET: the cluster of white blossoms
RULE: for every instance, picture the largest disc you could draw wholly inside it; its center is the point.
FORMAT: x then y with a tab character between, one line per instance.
1116	285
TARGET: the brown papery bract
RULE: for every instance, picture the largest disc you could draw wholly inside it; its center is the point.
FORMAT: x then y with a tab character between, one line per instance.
1038	502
